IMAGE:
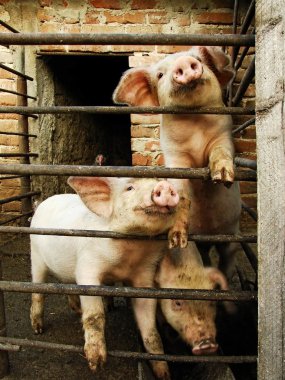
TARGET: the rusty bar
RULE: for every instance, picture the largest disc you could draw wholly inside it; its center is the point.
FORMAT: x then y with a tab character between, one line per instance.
10	177
7	26
246	163
19	197
250	255
4	67
244	125
119	171
238	64
19	343
236	5
18	155
247	78
27	214
127	291
127	110
17	93
117	235
17	134
230	85
4	358
126	39
250	211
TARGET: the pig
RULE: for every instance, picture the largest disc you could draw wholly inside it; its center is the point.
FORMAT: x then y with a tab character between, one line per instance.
194	321
194	78
134	206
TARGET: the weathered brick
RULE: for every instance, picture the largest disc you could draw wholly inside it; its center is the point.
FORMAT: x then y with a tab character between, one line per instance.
213	18
247	187
145	119
142	131
244	145
159	159
9	183
182	20
8	99
6	56
107	4
125	17
143	4
51	27
12	206
4	74
9	125
144	60
139	159
9	140
250	200
143	29
247	133
152	145
172	49
160	17
8	116
46	14
93	17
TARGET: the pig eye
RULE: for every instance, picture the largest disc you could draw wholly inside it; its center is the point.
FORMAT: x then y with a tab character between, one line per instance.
159	75
130	188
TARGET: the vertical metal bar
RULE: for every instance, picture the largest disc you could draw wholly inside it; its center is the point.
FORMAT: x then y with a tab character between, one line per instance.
4	358
236	5
24	147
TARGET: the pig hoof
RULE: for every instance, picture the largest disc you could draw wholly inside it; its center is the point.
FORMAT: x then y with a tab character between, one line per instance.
95	355
177	239
38	329
223	176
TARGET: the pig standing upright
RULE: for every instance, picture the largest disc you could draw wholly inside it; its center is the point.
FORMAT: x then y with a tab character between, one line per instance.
138	206
193	320
193	79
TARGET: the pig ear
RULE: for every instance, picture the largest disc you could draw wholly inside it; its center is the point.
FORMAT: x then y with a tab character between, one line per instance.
217	278
95	193
135	89
219	63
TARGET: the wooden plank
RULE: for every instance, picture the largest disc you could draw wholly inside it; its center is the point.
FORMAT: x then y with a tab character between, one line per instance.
270	74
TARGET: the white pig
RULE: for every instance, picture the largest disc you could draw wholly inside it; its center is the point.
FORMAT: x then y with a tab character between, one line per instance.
193	320
138	206
194	79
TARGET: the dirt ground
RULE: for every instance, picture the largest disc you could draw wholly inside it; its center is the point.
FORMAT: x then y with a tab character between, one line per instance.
63	326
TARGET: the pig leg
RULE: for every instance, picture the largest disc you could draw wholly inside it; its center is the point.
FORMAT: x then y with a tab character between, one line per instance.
93	320
145	314
39	275
221	164
178	233
227	253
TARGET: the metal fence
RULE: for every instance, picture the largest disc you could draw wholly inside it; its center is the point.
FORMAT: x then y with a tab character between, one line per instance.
24	170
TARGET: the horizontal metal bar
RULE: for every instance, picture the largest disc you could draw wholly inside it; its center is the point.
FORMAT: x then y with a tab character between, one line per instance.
246	163
18	154
127	291
17	134
245	82
19	343
250	211
127	110
7	68
10	177
17	93
8	27
17	217
19	197
126	39
119	171
117	235
244	125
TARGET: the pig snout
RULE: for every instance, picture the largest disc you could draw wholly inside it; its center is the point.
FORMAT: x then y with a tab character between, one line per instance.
186	70
164	195
205	347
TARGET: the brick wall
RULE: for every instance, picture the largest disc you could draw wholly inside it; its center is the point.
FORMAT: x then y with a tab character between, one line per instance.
134	16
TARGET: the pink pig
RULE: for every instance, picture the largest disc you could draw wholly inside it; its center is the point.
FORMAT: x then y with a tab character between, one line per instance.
194	79
134	206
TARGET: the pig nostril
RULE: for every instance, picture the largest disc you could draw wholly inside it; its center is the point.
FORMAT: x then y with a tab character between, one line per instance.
194	66
180	72
158	193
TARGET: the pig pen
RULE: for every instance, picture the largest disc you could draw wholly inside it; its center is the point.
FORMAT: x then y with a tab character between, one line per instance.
76	139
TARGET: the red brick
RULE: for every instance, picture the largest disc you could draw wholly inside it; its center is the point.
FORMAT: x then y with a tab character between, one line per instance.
250	200
182	20
242	145
46	14
139	159
125	18
247	187
107	4
50	27
159	160
213	18
247	133
143	4
92	17
152	145
8	116
4	74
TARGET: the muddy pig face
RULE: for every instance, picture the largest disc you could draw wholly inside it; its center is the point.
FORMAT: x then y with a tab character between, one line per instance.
192	78
195	320
143	206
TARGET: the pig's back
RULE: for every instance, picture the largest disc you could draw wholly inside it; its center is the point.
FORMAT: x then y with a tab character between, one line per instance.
60	253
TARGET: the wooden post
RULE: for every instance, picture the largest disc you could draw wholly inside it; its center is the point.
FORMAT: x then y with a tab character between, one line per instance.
270	74
24	147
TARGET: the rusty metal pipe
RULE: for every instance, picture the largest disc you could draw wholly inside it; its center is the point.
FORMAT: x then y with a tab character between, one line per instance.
24	215
244	125
246	163
119	171
117	235
18	154
6	68
17	93
19	197
126	39
127	291
127	110
7	26
250	255
250	211
17	134
245	82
